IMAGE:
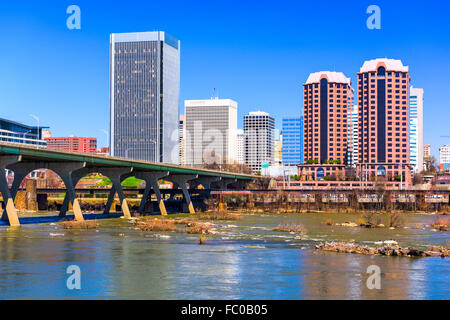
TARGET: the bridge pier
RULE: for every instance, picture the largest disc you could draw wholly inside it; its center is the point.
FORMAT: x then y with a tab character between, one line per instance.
76	177
205	181
117	175
223	183
10	212
181	180
151	182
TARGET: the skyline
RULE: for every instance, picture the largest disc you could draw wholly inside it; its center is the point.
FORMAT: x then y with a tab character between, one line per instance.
71	68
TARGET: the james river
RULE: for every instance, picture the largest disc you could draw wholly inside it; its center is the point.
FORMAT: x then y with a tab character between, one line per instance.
247	261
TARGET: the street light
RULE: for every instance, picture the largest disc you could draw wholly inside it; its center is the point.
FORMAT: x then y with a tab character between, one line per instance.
37	119
107	138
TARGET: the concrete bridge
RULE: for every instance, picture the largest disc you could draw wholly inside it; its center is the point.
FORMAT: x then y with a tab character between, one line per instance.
71	167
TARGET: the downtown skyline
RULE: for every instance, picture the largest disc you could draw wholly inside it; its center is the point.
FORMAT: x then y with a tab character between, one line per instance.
244	66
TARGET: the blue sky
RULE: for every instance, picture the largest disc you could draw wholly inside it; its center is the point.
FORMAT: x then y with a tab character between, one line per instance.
256	52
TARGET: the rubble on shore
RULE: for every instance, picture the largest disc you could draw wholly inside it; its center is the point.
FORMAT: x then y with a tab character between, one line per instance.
386	250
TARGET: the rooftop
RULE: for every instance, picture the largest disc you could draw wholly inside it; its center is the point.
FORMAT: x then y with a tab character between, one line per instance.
391	65
335	77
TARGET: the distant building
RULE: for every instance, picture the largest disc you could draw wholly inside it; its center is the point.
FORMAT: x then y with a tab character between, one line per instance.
240	146
74	144
426	151
292	129
327	97
353	136
16	132
181	128
144	96
444	156
278	155
416	128
259	132
211	131
103	151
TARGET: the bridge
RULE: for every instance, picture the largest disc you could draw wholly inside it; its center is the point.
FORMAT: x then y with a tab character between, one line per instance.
71	167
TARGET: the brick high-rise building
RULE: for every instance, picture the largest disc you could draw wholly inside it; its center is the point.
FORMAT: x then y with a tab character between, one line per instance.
383	120
327	97
75	144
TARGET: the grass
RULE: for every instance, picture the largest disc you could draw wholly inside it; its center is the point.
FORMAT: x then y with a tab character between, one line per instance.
91	224
297	228
157	225
220	216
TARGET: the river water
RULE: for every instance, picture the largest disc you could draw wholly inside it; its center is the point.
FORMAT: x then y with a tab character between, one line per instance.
247	260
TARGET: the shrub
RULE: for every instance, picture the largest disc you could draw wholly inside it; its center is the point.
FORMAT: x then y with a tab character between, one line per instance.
157	225
90	224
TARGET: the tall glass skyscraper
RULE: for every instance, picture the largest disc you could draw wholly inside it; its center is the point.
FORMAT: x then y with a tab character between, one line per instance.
292	130
144	96
416	128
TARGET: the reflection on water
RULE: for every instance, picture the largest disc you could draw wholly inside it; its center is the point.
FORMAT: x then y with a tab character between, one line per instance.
247	261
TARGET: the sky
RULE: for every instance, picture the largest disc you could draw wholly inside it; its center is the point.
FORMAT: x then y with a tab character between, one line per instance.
258	53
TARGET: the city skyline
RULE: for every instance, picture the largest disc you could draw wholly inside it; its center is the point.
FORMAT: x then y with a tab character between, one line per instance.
74	74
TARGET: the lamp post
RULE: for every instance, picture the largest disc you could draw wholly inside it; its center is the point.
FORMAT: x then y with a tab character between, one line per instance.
107	139
37	119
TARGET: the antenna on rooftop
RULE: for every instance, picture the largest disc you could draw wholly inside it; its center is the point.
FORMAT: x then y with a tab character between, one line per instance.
214	96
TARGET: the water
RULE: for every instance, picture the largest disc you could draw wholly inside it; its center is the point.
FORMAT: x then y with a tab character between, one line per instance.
248	261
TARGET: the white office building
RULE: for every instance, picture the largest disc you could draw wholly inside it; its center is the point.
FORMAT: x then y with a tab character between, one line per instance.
259	129
444	155
416	128
240	146
210	131
352	136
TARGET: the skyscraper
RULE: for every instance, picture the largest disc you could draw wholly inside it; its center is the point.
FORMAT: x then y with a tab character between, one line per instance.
353	136
327	97
144	96
259	129
416	128
211	131
292	129
240	146
383	118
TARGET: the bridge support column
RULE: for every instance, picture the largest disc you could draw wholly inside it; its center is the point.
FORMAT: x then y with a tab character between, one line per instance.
76	177
67	173
182	180
117	175
151	182
224	182
110	200
206	181
10	212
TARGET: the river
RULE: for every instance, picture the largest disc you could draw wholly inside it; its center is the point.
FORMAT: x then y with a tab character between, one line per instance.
247	260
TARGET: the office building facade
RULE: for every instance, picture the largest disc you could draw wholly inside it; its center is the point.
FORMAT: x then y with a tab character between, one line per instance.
444	155
211	131
416	128
259	130
144	96
353	136
181	128
327	97
383	120
292	132
240	146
